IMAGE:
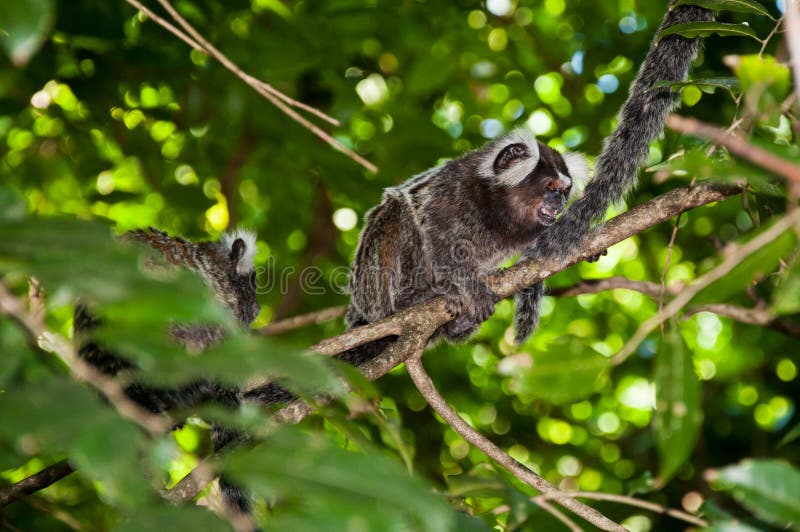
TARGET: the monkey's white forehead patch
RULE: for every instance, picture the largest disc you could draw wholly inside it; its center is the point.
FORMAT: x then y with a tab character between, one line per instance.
519	171
249	238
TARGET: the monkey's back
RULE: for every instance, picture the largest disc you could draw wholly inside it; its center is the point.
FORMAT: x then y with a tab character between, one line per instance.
388	270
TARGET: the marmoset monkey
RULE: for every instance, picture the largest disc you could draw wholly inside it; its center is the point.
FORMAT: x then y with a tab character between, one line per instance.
440	232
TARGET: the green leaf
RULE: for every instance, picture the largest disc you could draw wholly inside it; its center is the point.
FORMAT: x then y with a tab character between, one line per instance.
108	451
730	84
678	415
327	479
768	488
43	413
786	296
12	205
756	266
24	26
790	436
704	29
731	526
566	373
165	517
739	6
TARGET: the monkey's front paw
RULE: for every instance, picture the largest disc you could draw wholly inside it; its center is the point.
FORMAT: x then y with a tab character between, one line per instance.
595	258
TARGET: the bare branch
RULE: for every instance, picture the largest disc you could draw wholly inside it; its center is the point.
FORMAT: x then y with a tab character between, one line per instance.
594	286
273	95
630	501
296	322
558	514
682	299
753	316
35	482
431	394
736	145
110	388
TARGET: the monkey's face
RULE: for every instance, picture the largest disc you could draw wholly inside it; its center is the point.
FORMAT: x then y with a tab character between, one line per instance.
553	197
538	198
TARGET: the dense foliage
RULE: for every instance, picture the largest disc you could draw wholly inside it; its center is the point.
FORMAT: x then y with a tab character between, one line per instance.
108	122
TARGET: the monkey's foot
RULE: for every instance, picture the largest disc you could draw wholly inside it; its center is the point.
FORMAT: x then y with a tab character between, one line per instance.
595	258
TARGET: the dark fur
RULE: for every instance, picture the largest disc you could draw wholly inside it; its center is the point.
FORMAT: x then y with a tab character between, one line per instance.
440	232
641	120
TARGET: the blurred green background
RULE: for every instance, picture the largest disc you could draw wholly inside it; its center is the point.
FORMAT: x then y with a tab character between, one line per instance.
106	117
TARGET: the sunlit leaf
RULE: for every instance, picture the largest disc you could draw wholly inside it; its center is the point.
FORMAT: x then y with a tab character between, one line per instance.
678	415
166	517
729	84
768	488
314	474
790	436
754	267
703	29
740	6
565	373
786	296
24	26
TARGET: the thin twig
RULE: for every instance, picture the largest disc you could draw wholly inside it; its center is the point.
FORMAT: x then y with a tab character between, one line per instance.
167	26
682	299
753	316
630	501
276	97
110	388
303	320
769	37
558	514
594	286
670	246
428	390
736	145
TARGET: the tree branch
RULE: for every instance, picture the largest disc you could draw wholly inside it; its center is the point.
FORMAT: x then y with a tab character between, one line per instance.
736	145
752	316
35	482
686	295
594	286
303	320
431	394
630	501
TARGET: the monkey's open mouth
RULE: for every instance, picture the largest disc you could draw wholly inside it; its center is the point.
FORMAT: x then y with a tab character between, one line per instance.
548	214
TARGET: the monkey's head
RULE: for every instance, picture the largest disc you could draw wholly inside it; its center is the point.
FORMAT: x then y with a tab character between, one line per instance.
536	180
225	266
234	281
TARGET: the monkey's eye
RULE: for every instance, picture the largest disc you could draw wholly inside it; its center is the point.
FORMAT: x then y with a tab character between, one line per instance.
509	155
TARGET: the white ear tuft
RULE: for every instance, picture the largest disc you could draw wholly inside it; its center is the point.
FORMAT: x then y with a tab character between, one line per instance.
578	168
514	175
245	264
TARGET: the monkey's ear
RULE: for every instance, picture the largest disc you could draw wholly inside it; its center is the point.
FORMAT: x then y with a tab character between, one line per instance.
241	246
578	168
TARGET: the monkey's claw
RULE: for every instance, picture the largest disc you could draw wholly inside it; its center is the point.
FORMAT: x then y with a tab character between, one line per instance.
595	258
